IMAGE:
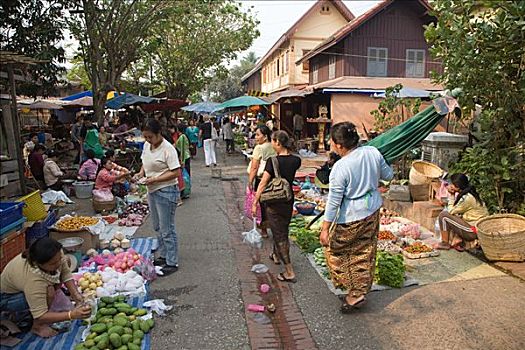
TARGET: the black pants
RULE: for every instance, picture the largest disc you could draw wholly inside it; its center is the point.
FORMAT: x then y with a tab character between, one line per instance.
230	146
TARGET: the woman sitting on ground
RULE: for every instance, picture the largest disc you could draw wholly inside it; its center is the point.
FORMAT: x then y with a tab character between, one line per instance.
89	168
280	213
457	222
53	175
29	284
107	177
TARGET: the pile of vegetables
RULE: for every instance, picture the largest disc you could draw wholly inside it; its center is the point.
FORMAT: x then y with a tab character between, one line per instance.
115	282
89	282
319	257
306	239
390	269
386	235
117	325
410	230
134	214
119	240
417	248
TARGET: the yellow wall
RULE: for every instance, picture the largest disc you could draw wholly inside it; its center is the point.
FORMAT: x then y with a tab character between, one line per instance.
312	31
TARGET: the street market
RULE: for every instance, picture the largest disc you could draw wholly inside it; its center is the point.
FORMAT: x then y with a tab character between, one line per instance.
354	185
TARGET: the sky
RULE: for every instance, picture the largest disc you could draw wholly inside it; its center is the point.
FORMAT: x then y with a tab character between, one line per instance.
277	16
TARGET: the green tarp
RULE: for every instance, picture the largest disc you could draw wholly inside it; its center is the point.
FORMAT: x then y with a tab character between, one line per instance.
402	138
242	101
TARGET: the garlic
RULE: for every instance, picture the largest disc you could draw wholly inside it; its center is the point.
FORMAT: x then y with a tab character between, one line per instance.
119	235
104	244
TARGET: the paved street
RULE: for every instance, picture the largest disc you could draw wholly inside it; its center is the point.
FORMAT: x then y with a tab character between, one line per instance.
214	283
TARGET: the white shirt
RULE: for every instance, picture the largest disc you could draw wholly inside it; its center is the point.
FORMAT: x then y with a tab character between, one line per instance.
156	162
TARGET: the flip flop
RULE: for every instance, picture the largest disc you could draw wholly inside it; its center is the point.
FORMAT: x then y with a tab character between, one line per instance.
281	277
458	248
275	261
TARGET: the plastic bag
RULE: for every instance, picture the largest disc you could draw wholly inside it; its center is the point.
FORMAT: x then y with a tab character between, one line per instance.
248	202
103	195
146	269
260	268
187	183
61	302
253	237
52	197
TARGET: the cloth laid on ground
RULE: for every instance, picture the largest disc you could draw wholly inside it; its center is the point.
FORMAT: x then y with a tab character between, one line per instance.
52	197
402	138
143	246
68	339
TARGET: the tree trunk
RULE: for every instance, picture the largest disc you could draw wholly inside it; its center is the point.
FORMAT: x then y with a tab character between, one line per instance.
99	102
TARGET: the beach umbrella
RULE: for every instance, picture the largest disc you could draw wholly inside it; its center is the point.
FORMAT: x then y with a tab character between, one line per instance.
201	107
242	101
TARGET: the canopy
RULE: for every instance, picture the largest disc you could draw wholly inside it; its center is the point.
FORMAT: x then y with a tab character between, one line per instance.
201	107
86	101
44	105
242	101
127	99
164	105
88	93
405	136
408	92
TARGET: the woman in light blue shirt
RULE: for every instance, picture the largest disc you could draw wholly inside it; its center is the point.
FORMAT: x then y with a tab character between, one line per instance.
351	222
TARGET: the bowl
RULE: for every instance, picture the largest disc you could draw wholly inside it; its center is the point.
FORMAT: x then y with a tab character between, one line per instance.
305	208
71	244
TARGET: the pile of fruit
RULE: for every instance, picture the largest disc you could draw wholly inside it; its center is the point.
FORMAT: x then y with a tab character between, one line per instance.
89	282
117	326
319	257
386	235
75	223
418	247
119	240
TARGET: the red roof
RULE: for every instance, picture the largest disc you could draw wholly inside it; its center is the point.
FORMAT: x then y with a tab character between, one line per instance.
339	5
353	25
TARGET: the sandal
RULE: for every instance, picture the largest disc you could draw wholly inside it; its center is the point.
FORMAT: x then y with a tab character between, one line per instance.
443	246
458	248
349	308
281	277
273	257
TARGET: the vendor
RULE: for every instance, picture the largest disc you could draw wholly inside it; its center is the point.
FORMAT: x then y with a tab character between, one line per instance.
103	136
29	284
29	146
36	162
52	172
107	177
89	168
457	222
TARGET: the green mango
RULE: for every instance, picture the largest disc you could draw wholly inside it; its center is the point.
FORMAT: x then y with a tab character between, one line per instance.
99	328
115	340
126	338
116	329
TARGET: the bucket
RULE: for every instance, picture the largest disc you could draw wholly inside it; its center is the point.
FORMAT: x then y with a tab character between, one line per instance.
83	189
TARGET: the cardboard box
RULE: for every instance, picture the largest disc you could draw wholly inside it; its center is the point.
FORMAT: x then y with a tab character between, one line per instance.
90	240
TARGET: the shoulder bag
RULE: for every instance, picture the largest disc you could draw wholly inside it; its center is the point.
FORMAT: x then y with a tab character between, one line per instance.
278	189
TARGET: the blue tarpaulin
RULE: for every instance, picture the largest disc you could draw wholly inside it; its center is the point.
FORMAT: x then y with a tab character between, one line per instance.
88	93
201	107
127	99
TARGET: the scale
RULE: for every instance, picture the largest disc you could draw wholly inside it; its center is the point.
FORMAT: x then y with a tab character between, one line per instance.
72	248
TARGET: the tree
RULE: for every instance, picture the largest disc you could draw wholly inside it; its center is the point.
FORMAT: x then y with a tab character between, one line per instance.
110	33
482	47
195	38
34	28
393	110
77	73
223	86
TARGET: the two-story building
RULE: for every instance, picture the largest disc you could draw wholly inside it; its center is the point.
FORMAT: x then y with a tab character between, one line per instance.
382	47
277	71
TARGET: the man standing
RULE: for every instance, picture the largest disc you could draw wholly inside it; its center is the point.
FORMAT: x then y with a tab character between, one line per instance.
298	124
206	134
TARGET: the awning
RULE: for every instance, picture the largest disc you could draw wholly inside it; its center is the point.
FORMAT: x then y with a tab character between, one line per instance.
44	105
127	99
286	94
86	101
242	101
201	107
408	92
88	93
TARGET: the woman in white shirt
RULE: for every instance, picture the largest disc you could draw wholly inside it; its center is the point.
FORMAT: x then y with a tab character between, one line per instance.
161	167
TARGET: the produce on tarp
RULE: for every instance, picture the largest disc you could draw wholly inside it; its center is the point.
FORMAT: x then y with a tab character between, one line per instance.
418	247
133	215
89	282
390	269
319	257
117	325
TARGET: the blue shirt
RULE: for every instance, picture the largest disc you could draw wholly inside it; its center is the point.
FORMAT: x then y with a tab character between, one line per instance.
353	185
193	134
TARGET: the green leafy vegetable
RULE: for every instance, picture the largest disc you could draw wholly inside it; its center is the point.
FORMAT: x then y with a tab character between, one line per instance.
390	269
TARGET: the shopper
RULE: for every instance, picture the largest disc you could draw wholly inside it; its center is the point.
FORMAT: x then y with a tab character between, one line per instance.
161	167
192	132
182	144
353	210
465	209
29	284
208	138
227	133
280	213
261	153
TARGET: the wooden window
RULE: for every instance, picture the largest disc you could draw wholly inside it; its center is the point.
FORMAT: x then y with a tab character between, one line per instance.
377	62
306	64
315	73
286	62
278	67
331	66
415	63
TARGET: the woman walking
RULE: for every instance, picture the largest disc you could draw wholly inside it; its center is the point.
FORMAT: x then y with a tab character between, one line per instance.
227	133
280	213
457	222
208	141
261	153
352	211
161	167
192	132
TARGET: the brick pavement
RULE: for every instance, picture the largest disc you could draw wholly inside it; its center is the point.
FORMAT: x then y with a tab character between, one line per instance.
288	329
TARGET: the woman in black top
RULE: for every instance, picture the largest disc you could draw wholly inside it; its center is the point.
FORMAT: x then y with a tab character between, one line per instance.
279	214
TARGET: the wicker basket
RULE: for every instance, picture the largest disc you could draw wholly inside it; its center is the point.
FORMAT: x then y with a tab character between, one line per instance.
423	172
101	207
502	237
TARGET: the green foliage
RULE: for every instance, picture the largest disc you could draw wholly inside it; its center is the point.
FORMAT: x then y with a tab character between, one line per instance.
225	86
34	28
77	73
482	47
393	110
390	269
194	38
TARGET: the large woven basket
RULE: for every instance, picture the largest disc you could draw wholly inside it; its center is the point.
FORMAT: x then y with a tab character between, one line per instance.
423	172
100	207
502	237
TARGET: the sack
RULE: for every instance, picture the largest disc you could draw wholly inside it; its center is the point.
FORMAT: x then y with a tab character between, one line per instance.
248	202
278	190
61	302
214	135
323	175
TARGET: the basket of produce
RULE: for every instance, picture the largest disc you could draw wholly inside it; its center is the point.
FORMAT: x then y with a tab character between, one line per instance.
106	206
418	250
75	223
423	172
34	209
502	237
386	235
305	208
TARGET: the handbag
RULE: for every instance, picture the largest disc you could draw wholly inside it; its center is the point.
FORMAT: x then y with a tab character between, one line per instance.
278	189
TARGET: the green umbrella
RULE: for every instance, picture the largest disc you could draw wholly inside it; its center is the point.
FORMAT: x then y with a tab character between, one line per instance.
242	101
